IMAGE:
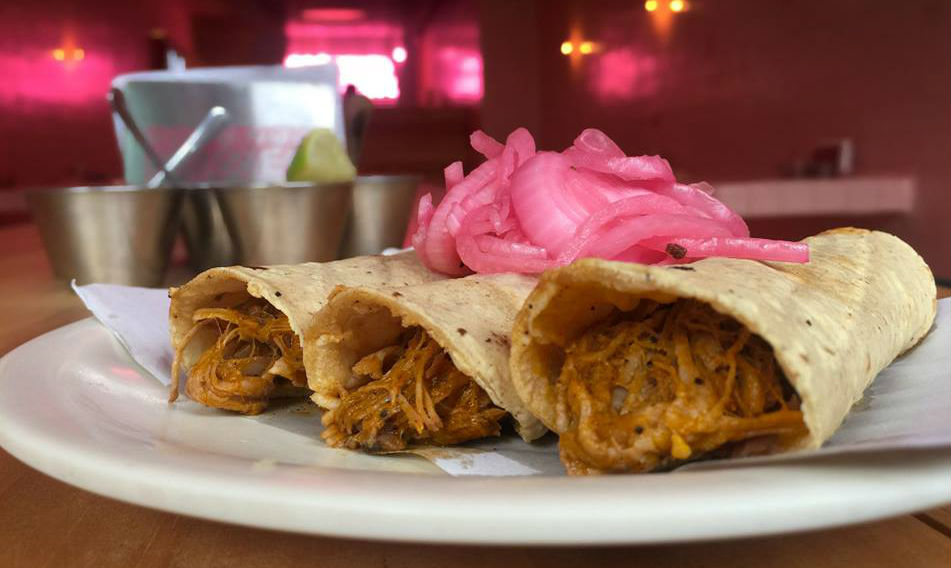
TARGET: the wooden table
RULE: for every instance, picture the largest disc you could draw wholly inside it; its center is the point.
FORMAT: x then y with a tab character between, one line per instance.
44	522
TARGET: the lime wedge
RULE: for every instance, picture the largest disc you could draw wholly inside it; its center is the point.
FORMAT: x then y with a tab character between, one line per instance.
321	158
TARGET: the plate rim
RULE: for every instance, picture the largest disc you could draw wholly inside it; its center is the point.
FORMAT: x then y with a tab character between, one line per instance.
85	470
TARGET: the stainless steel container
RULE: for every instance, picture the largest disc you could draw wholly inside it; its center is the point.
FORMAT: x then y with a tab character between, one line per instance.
382	206
270	108
208	240
285	223
114	234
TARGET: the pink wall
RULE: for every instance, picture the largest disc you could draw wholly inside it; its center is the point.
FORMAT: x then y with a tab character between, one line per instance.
738	87
54	119
55	125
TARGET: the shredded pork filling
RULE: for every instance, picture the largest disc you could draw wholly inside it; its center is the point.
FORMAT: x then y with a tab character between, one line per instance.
664	383
255	349
408	393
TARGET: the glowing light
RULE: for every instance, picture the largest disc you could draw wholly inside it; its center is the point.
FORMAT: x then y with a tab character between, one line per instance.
586	47
373	74
79	54
59	54
624	75
365	51
306	59
460	73
677	5
567	48
399	54
333	14
42	78
650	5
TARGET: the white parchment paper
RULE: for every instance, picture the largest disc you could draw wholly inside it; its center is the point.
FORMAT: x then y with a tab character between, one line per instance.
907	407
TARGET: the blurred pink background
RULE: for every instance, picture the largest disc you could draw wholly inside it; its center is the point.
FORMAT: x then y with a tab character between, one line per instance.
728	90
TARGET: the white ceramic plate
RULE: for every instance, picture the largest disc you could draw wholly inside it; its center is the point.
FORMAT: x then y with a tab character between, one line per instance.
73	405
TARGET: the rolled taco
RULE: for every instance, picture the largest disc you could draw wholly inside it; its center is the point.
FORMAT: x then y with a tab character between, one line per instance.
639	367
421	365
237	330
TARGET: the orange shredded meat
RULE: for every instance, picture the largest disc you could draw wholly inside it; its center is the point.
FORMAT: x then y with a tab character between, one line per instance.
665	383
412	393
255	349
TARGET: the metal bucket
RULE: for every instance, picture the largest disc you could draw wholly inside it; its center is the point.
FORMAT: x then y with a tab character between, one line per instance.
269	108
114	234
285	223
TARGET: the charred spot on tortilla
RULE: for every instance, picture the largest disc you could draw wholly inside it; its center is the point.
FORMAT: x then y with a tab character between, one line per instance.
397	295
675	250
277	293
809	323
461	331
409	393
256	267
663	383
684	268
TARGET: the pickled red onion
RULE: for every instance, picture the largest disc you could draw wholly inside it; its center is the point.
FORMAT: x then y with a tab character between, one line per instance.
485	145
454	175
733	247
527	211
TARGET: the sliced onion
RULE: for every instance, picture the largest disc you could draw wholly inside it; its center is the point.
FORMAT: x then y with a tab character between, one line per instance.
617	237
485	253
482	196
548	213
593	190
638	205
424	210
732	247
641	255
485	144
453	174
424	214
595	151
441	254
695	197
519	147
596	143
495	245
527	211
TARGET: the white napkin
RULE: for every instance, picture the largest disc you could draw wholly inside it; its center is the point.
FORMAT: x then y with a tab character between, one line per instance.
908	406
139	319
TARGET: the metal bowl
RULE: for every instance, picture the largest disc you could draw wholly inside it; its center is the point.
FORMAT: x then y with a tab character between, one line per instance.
285	223
116	234
208	241
382	206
